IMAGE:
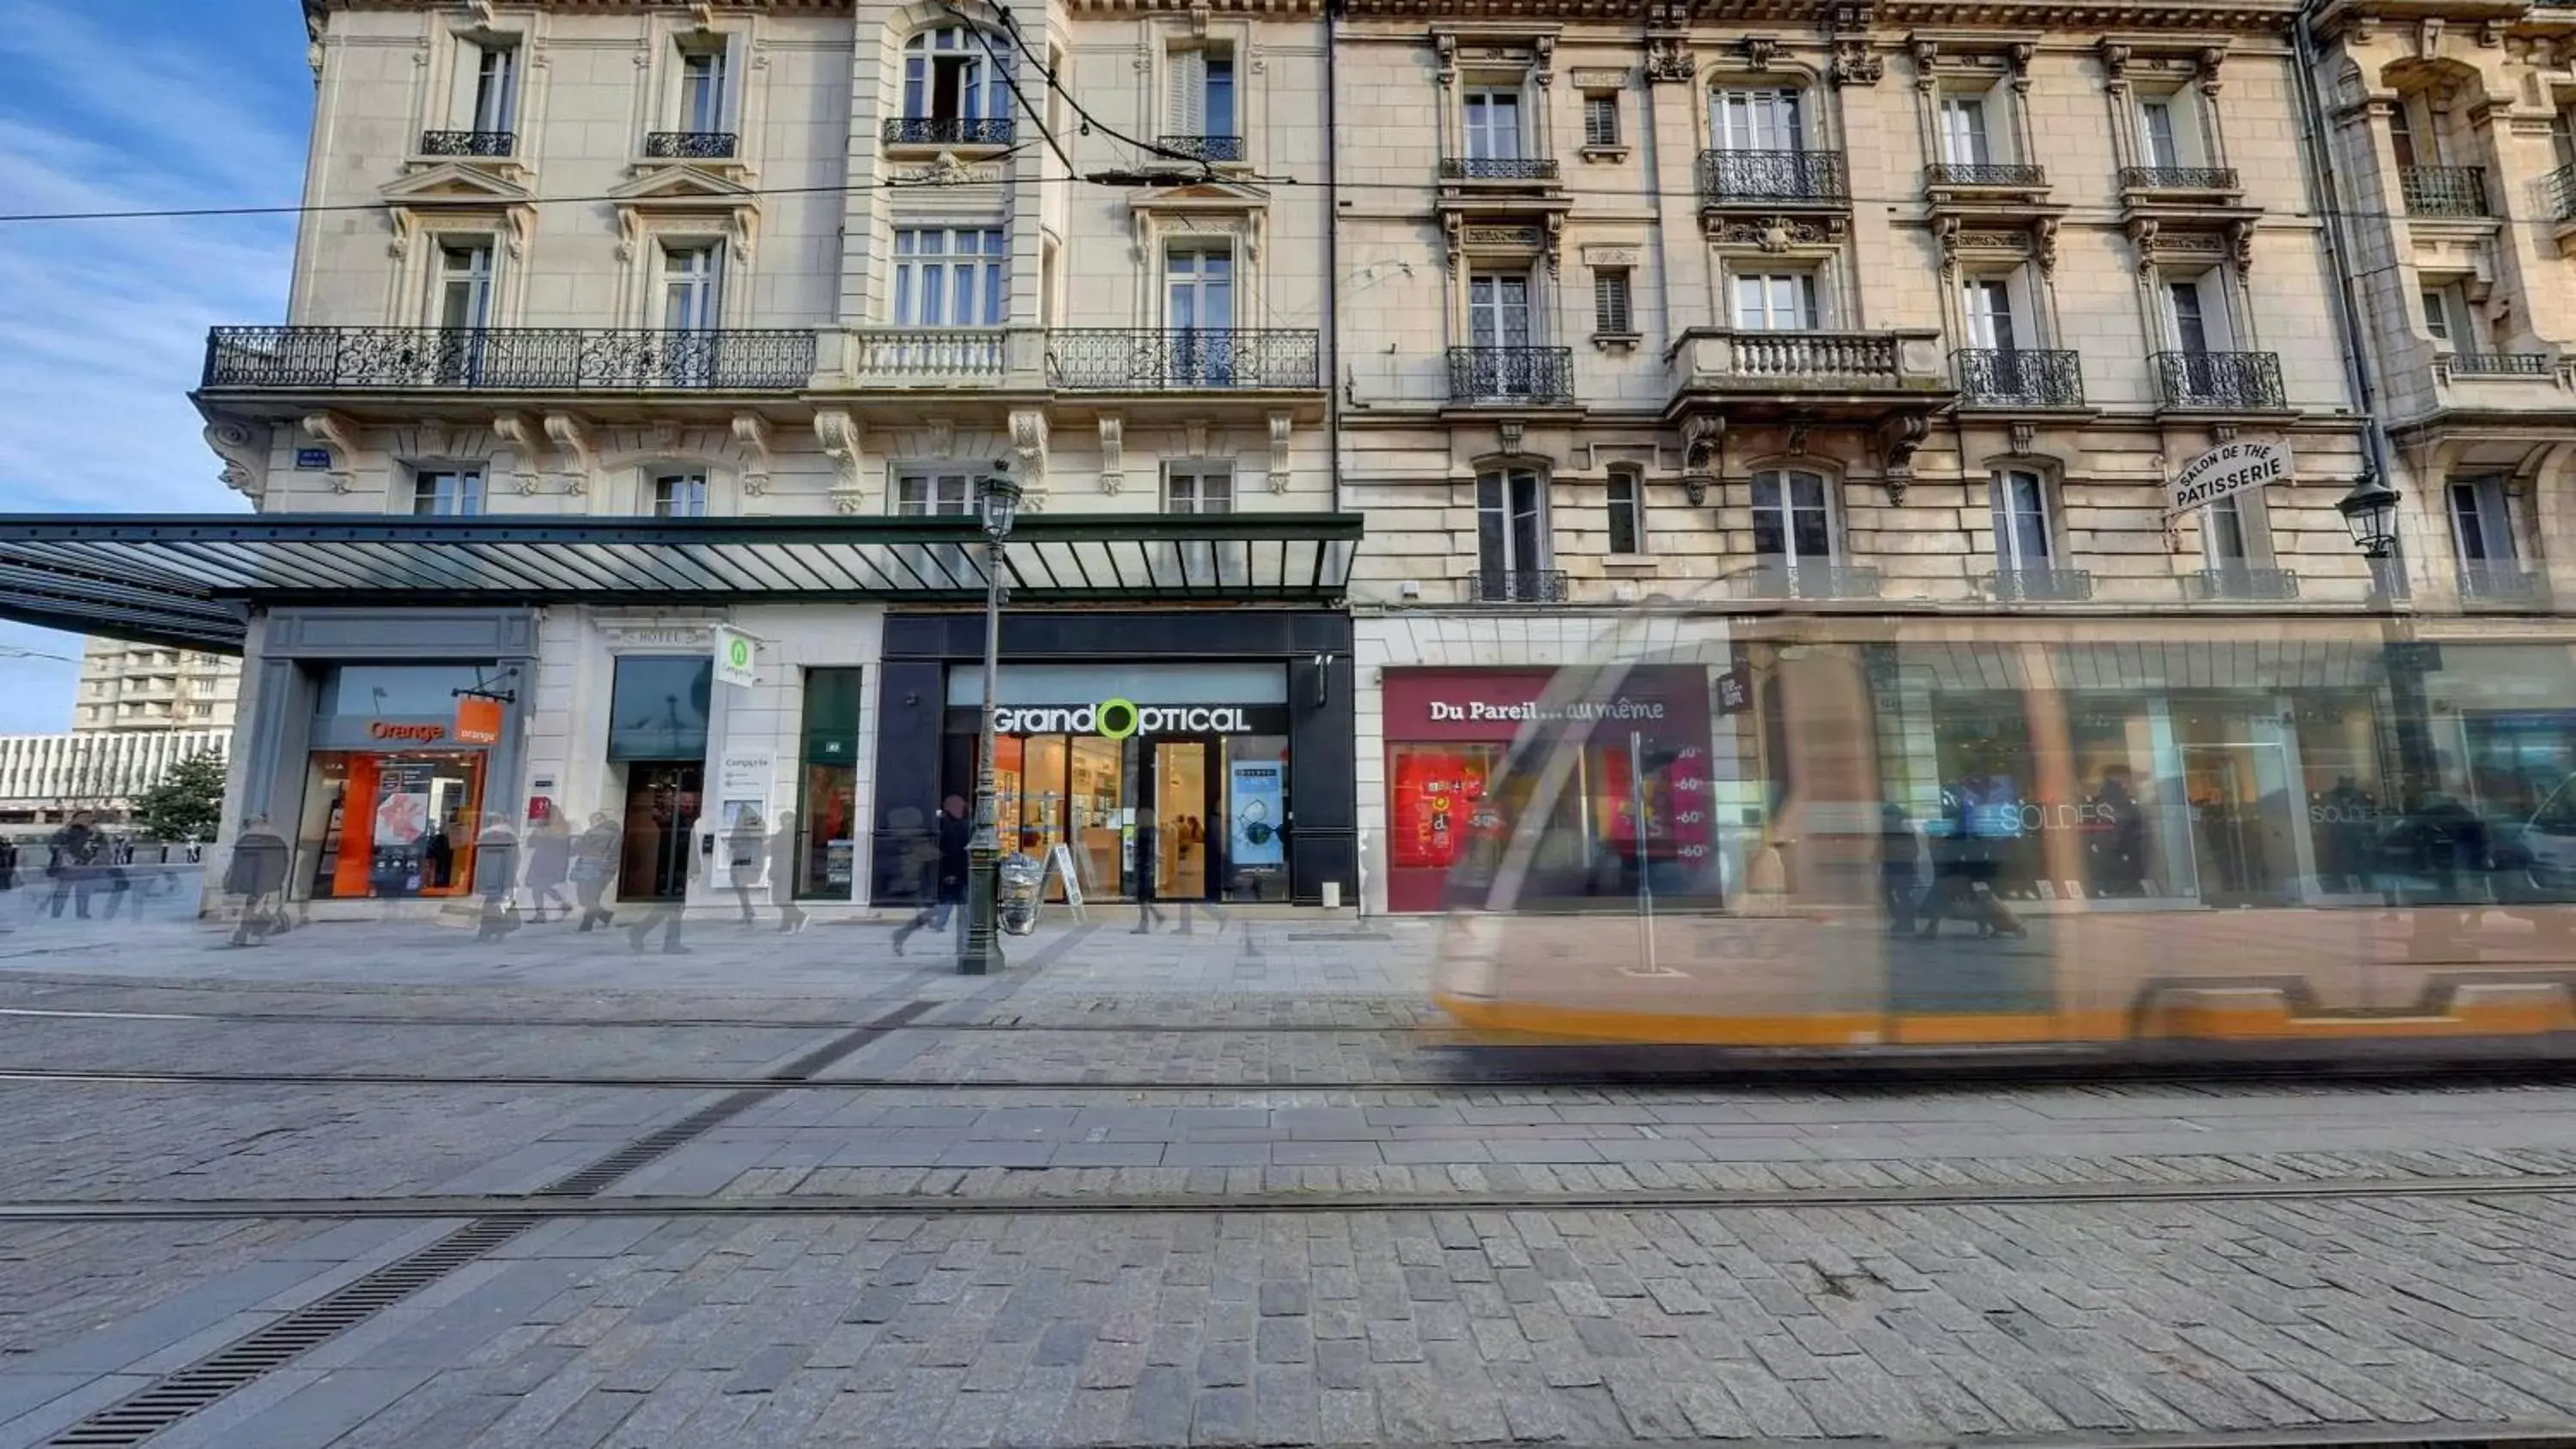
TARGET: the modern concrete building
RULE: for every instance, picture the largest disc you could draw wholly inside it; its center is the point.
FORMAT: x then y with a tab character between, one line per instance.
126	686
46	779
1364	364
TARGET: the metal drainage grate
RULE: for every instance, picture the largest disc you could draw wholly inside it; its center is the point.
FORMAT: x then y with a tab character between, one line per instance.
155	1408
184	1392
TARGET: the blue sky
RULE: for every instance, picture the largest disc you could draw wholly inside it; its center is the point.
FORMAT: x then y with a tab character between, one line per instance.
124	104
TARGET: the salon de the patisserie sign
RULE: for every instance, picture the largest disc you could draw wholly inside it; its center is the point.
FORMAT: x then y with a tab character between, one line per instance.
2227	469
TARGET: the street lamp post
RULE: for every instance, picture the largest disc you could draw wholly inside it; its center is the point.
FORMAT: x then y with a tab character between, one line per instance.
2370	515
998	498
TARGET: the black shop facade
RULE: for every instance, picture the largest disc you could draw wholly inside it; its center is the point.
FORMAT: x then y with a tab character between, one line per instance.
1208	751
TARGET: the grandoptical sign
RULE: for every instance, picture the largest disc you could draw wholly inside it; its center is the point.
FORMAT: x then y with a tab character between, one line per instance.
2228	469
1118	718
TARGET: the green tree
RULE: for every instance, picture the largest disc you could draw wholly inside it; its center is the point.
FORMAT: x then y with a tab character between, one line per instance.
189	801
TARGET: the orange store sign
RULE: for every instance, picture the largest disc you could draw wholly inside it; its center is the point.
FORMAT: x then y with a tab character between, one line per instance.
417	733
478	720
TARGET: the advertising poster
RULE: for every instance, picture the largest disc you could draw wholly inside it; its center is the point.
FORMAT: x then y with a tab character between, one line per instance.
1257	792
402	804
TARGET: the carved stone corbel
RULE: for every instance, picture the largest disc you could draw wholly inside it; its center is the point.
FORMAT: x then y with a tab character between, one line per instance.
1113	453
2018	56
2210	60
1668	61
1554	235
2115	65
1900	437
576	459
2043	244
2240	244
2142	237
1759	50
751	430
1029	448
1946	228
1453	235
1702	435
1446	46
1279	428
837	434
244	450
526	457
1546	68
337	433
1926	54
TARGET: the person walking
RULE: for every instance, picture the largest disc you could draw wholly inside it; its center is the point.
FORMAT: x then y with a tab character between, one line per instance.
1149	862
8	881
953	831
549	866
257	871
782	874
746	856
496	873
72	864
669	914
594	865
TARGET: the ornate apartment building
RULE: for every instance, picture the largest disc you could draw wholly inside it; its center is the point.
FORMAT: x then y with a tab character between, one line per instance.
1362	361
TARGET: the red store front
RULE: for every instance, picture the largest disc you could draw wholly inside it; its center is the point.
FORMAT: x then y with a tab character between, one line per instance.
1447	731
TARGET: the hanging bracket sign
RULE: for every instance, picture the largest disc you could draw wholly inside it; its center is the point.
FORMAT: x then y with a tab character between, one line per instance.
2228	469
735	656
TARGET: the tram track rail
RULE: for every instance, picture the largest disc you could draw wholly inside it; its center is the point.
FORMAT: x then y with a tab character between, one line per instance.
548	1203
720	1023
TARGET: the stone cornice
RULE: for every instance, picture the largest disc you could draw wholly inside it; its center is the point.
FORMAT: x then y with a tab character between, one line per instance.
2238	16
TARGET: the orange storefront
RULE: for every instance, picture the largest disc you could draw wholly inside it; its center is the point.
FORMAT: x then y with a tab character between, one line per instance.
396	784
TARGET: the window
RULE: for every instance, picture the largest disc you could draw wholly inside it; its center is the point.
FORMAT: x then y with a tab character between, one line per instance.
2449	321
1601	119
495	86
1511	532
702	90
1777	302
2159	142
1963	131
2481	525
680	495
2195	322
690	277
2562	136
1200	488
1198	287
1758	120
1611	316
2401	135
2020	505
1792	520
447	492
1987	302
2228	529
1493	125
948	77
463	287
948	277
918	495
1498	309
1627	511
1200	100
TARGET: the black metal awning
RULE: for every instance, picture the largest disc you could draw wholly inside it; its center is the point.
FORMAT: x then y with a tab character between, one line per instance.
192	580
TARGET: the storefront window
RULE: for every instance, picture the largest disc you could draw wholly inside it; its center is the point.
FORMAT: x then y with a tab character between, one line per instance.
827	791
657	709
396	691
389	825
2346	797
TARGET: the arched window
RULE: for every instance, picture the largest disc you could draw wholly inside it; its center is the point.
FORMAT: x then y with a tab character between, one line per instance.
955	88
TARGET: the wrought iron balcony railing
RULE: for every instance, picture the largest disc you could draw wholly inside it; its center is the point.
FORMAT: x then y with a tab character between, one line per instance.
1511	374
1948	173
536	359
2558	193
1520	586
1204	148
2237	584
929	354
2220	379
2499	364
2020	377
1779	580
2501	583
689	145
1123	359
2039	586
1729	178
2443	190
468	143
2178	178
950	131
1496	168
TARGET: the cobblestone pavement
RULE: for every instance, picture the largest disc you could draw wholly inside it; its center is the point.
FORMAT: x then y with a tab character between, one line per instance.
2024	1305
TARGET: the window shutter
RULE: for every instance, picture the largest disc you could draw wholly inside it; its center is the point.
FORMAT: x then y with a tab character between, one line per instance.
1610	302
462	82
1185	94
916	86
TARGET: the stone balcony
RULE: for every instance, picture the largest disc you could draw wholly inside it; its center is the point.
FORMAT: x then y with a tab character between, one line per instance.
1817	374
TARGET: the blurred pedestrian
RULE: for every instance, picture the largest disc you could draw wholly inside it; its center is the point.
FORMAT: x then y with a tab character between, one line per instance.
1149	862
594	865
746	852
667	915
1898	847
496	873
549	866
782	873
8	881
72	864
257	871
947	843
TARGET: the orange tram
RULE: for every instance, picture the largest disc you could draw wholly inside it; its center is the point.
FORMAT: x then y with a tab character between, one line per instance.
2091	839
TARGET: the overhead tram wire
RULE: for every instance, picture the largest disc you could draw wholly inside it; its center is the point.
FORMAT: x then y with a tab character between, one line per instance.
1009	78
1090	122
